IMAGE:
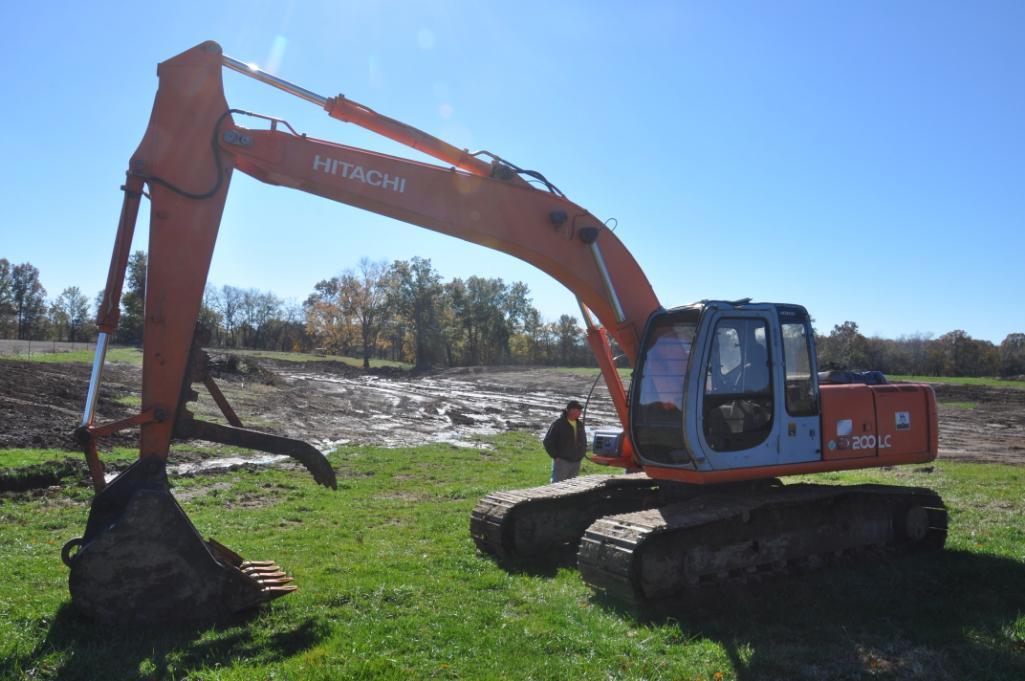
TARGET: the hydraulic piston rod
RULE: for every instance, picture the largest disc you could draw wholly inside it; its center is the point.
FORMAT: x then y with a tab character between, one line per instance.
94	380
254	71
347	110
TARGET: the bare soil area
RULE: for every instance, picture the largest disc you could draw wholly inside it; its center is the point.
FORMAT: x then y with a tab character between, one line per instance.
987	425
41	404
329	404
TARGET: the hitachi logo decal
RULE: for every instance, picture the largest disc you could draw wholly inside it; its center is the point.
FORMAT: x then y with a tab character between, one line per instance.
375	178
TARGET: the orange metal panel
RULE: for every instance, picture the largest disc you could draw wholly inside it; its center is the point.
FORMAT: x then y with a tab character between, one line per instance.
848	422
762	472
177	150
902	417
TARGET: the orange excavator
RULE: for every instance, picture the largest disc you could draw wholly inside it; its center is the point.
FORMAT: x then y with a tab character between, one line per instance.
724	397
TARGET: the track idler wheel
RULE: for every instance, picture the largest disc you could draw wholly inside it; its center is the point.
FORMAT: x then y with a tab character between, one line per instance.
141	561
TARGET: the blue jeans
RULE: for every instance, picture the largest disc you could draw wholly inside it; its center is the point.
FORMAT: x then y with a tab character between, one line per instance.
564	470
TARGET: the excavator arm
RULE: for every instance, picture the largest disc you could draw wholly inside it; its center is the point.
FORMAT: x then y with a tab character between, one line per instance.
192	146
140	559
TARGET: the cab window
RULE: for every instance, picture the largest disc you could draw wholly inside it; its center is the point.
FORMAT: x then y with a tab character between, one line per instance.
801	396
658	393
738	399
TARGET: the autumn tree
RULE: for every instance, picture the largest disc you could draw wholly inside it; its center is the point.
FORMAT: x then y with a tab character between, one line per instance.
844	348
414	292
960	354
133	301
526	344
210	319
478	306
6	299
569	341
69	315
1012	355
329	317
368	286
259	310
230	309
913	351
289	329
29	300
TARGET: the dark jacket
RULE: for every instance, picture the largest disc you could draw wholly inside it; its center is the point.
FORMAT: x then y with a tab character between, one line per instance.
561	444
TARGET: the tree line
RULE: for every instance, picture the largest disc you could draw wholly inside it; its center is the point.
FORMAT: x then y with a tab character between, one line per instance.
26	314
405	311
953	354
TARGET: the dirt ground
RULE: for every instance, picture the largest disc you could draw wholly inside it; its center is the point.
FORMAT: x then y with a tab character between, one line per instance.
991	431
41	404
329	404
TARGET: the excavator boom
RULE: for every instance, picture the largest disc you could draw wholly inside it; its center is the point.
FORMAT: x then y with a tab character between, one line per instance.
184	165
193	145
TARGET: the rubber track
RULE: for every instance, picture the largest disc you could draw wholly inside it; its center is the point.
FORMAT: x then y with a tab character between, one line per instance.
731	536
529	524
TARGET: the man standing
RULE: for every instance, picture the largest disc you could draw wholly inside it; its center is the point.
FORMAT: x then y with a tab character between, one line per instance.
566	442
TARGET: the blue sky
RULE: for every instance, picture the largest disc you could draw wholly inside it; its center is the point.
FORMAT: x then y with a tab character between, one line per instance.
866	160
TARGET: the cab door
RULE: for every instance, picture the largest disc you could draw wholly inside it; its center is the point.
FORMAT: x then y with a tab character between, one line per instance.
657	409
800	437
737	396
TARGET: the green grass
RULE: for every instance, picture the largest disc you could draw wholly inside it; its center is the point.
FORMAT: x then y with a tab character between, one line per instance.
624	373
307	357
21	458
134	401
391	587
134	356
961	380
115	354
960	405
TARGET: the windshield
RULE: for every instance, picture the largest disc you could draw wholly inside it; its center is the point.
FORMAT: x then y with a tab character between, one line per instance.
657	414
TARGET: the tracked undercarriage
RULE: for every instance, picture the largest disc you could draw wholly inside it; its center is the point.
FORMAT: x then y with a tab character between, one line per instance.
679	538
527	524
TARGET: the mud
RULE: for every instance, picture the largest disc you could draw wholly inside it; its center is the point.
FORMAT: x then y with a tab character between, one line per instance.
981	424
331	404
41	404
457	406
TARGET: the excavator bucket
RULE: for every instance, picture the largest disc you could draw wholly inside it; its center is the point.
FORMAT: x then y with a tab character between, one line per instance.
141	561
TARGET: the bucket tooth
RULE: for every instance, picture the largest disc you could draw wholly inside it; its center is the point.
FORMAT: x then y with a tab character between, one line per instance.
264	574
142	561
256	564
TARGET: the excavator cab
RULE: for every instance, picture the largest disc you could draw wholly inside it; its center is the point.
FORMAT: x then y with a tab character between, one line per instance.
746	370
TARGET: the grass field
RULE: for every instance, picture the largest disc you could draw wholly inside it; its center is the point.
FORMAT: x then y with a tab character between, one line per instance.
130	355
392	587
119	354
962	380
592	371
960	405
307	357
